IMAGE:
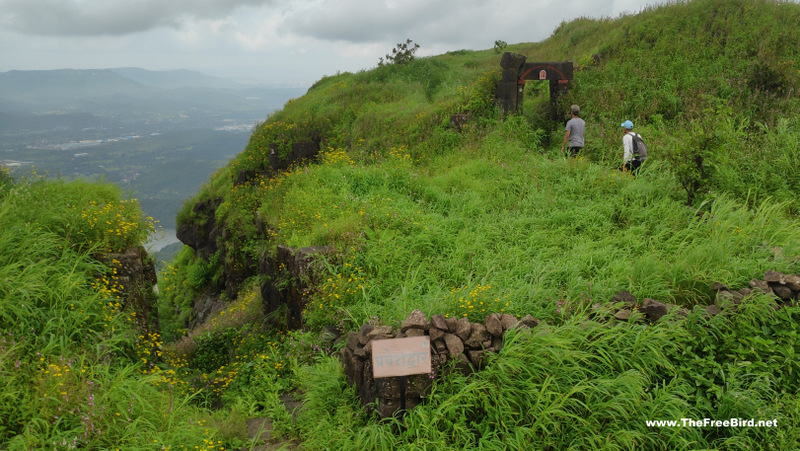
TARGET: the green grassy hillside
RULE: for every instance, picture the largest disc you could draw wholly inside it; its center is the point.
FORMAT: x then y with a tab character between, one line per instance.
705	82
74	367
488	216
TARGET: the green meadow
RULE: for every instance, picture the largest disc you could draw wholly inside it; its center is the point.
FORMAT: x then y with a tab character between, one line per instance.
462	220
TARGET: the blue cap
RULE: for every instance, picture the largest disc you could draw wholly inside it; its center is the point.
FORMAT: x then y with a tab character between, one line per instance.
628	125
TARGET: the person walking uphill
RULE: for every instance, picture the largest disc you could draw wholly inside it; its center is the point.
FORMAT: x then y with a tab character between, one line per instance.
574	134
634	150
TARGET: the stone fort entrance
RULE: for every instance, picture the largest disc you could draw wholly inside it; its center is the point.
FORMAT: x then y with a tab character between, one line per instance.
516	72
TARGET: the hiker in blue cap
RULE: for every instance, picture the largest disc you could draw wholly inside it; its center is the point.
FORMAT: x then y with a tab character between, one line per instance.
634	150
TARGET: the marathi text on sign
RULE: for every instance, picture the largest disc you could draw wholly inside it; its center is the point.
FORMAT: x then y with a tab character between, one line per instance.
401	357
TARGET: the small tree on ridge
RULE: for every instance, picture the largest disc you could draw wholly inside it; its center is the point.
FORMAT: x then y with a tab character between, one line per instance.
403	53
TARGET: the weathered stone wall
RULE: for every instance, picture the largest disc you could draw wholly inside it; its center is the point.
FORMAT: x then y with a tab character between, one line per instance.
785	290
452	339
509	92
469	344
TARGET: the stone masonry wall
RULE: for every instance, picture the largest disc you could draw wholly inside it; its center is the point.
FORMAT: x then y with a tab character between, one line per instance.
784	289
469	344
458	339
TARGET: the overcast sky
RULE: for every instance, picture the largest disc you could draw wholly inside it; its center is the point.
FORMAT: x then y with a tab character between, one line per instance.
275	41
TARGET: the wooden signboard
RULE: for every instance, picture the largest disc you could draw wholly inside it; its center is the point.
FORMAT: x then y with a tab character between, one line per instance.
401	356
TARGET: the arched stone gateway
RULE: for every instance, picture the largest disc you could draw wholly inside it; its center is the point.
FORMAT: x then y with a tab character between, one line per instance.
516	72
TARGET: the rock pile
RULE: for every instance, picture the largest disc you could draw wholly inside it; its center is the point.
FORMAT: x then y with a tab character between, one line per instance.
468	344
784	288
624	304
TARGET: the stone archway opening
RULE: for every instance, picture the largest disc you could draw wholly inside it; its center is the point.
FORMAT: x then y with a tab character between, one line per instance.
516	72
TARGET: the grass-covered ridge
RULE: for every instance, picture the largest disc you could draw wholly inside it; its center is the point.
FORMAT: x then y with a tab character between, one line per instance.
471	219
486	216
387	144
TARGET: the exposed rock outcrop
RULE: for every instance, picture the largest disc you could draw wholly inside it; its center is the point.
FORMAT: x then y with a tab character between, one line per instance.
199	231
287	278
301	151
135	277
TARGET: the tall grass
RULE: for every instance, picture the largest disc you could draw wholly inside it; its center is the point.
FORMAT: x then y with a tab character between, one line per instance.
70	375
523	224
582	385
496	226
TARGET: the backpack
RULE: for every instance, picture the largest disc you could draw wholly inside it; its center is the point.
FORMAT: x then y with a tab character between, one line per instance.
639	148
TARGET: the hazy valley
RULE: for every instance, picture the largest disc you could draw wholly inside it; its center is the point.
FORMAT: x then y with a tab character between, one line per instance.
158	135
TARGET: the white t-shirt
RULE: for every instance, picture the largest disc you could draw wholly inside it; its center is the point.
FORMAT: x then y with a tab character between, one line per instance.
627	146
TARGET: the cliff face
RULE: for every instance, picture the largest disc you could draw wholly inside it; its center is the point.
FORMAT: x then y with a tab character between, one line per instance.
201	232
287	278
212	240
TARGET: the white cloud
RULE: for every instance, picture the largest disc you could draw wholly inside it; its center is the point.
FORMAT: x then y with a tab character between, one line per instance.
294	40
109	17
466	24
250	42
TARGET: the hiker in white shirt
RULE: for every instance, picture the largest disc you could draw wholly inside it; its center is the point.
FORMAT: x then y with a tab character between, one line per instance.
630	158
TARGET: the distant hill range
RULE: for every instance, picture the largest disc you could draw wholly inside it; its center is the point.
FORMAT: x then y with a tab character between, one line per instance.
177	79
125	91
